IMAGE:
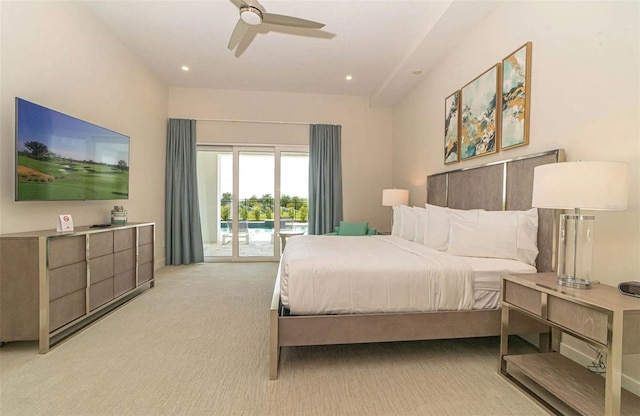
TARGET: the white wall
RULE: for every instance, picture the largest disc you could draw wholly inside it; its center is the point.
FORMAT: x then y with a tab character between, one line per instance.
366	135
584	98
58	55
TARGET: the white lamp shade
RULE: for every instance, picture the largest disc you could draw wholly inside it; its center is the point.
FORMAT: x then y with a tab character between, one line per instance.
393	197
584	185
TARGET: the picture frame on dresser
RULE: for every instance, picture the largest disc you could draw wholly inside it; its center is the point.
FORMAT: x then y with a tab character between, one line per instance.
480	101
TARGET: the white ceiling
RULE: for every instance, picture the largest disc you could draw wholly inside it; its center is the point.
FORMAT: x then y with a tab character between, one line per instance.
381	43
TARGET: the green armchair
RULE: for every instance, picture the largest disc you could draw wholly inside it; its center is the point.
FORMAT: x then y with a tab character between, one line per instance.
353	229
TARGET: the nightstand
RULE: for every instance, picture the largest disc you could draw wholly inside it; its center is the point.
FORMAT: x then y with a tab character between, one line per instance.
285	234
601	317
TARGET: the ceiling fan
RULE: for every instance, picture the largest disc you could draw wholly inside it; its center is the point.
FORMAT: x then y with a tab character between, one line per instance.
253	14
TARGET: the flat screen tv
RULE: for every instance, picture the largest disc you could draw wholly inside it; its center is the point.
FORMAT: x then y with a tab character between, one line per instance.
62	158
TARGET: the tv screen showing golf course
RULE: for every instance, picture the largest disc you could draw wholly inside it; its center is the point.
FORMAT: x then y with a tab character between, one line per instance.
62	158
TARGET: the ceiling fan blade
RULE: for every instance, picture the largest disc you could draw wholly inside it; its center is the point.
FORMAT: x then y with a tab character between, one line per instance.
239	3
245	42
278	19
238	33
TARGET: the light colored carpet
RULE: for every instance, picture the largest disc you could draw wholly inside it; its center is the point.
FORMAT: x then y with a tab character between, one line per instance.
196	344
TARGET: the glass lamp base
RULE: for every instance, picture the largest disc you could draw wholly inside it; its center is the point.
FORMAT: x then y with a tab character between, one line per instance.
574	250
574	282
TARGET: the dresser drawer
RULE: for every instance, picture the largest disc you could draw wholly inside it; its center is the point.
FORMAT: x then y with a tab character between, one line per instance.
523	297
68	279
124	260
66	250
100	244
100	293
124	282
67	308
145	253
145	272
124	239
145	234
591	323
100	268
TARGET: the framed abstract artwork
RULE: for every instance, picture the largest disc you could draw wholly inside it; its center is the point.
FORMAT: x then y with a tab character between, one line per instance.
451	128
480	101
516	95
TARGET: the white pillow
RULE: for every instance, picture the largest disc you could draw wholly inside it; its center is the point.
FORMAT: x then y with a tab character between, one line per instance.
528	236
421	222
476	239
407	223
496	234
437	226
397	221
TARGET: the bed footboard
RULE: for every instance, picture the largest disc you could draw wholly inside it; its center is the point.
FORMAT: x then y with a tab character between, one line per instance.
289	331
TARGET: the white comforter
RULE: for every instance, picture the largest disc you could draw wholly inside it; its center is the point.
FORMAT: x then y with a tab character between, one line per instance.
343	275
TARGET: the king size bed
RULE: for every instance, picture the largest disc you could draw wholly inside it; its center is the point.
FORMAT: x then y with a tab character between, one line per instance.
437	285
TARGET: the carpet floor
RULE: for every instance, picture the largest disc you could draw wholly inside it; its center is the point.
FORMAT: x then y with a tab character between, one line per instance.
197	344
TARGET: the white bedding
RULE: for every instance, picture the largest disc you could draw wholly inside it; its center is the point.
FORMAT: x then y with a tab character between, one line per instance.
486	278
342	275
345	275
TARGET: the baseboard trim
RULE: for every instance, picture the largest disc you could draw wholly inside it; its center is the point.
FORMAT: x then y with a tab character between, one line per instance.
159	263
580	357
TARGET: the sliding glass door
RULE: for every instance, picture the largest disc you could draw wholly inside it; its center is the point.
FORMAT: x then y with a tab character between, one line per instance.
248	194
255	213
294	191
215	187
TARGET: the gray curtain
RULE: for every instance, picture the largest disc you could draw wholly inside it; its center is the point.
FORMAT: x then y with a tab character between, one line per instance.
183	242
325	178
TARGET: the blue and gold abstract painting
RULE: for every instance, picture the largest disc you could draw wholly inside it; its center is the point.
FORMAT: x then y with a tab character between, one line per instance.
479	102
516	77
451	127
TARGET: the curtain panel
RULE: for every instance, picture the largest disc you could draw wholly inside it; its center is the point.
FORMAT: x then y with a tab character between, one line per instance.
325	178
183	241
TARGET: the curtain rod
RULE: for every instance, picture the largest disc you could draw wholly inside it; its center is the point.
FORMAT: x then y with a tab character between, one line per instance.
224	120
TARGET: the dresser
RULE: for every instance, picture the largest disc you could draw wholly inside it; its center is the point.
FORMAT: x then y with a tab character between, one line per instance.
52	284
602	317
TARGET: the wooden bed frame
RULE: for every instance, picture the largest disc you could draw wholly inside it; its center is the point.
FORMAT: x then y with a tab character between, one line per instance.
504	185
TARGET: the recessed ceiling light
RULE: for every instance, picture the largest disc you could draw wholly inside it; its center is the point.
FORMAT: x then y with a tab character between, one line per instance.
185	68
348	77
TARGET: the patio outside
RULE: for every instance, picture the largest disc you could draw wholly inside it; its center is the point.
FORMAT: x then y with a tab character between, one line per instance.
259	244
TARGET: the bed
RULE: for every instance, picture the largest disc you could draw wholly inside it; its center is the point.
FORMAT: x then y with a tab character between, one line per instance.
498	186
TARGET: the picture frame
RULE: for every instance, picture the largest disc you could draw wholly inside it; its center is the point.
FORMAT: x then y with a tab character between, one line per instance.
452	128
516	98
479	104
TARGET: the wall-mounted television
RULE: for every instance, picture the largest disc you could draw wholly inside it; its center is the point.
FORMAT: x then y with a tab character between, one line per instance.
62	158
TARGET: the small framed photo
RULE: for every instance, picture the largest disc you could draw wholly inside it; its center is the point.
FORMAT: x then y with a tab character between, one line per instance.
480	103
452	128
516	96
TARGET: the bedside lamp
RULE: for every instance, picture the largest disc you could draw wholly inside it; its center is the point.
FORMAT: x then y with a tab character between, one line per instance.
579	185
393	197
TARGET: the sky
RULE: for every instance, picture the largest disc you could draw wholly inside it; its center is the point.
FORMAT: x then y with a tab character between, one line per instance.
257	175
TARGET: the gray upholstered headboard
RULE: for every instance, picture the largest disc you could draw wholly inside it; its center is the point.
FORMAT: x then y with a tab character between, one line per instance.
503	185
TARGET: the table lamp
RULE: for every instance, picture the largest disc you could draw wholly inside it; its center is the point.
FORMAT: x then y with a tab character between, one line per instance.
393	197
579	185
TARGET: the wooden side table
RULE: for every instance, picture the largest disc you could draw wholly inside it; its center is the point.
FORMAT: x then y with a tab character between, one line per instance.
601	316
284	235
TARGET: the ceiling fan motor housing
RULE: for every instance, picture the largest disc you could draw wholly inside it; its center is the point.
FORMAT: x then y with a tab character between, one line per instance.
251	15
